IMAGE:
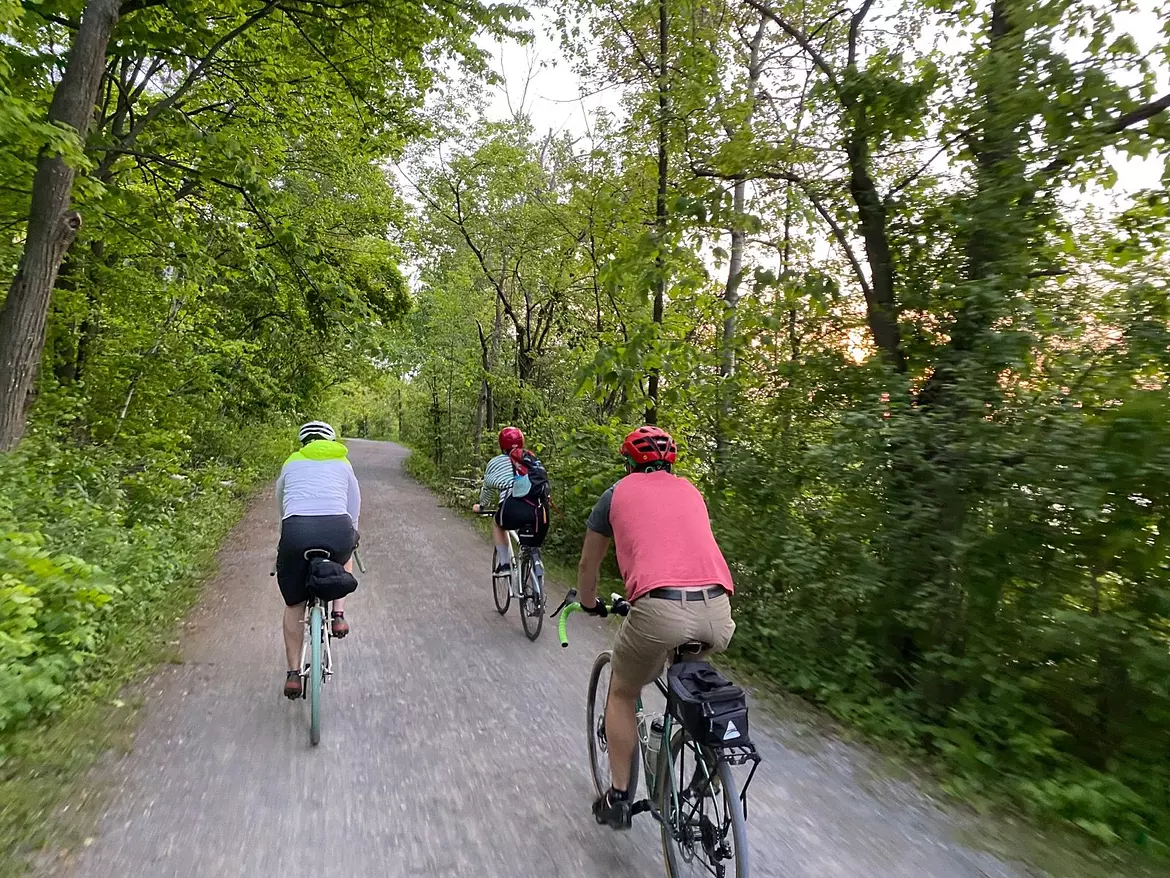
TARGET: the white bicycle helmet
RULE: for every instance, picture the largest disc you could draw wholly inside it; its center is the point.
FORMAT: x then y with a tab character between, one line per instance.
316	430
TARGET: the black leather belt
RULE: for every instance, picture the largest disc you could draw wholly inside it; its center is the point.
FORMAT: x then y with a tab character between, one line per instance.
686	594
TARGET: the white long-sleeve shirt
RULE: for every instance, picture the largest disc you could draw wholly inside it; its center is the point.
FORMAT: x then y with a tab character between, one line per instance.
319	480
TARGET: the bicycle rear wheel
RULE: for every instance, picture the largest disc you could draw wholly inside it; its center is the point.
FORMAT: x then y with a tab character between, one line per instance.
532	599
316	671
704	832
599	764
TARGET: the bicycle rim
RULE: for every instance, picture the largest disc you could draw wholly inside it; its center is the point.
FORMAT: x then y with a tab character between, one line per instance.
316	673
595	723
599	764
686	848
532	604
502	592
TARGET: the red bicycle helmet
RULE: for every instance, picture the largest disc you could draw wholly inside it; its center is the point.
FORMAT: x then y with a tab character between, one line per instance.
649	445
511	437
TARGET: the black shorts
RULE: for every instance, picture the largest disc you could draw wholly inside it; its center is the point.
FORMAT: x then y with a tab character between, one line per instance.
298	534
529	520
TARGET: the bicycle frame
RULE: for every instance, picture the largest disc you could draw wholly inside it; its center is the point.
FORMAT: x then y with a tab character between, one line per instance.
306	645
521	554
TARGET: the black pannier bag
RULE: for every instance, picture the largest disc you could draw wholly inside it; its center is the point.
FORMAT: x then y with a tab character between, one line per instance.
710	707
329	580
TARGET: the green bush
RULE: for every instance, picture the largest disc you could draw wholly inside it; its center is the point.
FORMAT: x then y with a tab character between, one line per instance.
50	614
91	538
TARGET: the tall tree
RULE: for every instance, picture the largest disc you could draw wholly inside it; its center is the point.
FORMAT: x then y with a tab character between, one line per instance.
52	225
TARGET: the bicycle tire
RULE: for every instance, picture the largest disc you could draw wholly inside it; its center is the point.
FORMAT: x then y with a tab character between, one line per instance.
503	583
673	852
316	672
595	731
531	601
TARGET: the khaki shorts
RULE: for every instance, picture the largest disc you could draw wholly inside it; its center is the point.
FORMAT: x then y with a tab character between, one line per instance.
657	627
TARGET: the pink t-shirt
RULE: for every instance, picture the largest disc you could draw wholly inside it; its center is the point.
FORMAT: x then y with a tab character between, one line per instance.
662	534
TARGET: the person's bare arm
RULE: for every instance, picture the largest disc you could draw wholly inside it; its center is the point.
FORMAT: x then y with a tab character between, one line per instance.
589	568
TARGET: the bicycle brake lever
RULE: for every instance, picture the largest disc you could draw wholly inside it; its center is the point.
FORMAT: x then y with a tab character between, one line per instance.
569	598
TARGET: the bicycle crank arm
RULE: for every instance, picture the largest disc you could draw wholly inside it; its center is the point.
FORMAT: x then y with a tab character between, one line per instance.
645	806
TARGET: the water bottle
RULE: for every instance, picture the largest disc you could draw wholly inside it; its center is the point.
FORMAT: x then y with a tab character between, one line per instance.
653	745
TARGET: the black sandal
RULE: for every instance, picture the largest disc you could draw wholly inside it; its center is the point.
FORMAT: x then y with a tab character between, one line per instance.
293	687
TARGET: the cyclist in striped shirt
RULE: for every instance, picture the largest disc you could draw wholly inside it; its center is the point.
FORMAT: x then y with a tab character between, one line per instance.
498	477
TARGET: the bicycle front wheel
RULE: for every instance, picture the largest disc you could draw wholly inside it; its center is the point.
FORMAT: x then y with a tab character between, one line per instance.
703	827
316	671
531	601
598	744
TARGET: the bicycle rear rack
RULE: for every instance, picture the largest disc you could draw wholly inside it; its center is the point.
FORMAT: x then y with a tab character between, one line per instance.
741	754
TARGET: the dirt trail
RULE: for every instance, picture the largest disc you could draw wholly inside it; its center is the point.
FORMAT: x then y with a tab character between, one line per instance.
452	745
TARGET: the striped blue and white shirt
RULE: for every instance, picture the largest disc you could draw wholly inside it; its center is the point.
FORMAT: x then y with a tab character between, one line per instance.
497	477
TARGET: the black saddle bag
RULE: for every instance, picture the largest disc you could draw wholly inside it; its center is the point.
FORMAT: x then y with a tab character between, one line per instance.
710	707
329	580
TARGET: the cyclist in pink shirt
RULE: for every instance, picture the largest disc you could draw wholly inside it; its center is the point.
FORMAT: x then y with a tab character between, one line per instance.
677	582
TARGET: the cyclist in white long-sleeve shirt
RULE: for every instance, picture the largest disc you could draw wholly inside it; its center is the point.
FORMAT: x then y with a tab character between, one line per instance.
319	503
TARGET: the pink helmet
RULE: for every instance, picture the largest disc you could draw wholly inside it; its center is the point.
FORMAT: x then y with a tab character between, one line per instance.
511	437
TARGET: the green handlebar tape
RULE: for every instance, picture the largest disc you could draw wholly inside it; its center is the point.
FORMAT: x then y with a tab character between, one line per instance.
564	617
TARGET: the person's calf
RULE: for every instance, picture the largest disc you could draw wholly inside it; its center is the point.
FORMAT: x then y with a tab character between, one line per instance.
621	731
293	626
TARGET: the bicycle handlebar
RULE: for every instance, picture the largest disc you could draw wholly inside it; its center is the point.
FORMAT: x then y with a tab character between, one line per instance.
562	623
618	606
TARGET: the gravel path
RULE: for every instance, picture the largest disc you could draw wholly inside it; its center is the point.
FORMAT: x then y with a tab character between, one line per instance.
451	745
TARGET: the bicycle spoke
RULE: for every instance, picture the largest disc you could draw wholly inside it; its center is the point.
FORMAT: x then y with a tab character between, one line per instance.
531	606
703	828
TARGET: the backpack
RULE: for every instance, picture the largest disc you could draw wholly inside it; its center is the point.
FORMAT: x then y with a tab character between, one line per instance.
529	477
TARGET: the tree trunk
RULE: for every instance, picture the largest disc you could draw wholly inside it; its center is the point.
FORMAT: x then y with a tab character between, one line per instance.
398	407
436	424
497	331
52	225
735	263
660	201
484	389
880	307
